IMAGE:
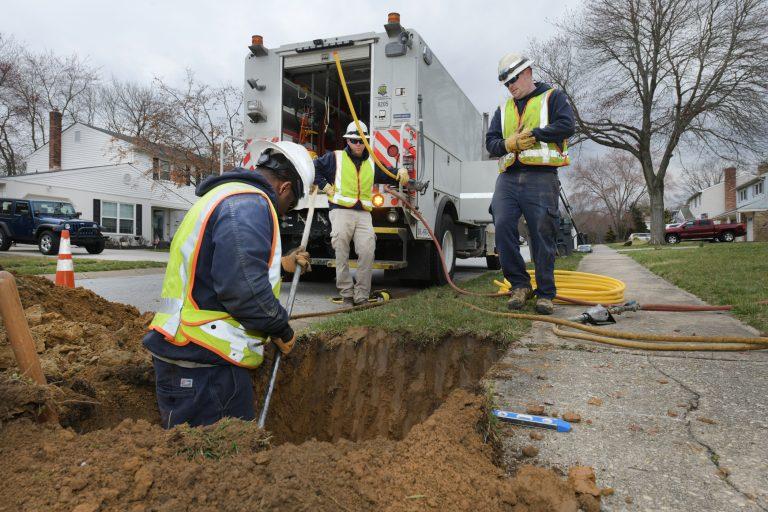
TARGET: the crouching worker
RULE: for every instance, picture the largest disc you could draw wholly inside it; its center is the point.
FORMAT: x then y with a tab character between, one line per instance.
219	304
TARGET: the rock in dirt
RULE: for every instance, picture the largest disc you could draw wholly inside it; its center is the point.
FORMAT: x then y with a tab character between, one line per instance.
530	451
595	401
535	409
708	421
672	413
572	417
536	436
583	480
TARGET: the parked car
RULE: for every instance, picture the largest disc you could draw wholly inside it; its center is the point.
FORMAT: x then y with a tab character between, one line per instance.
645	237
40	222
705	229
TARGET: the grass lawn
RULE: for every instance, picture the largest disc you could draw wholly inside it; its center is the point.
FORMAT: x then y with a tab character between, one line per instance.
434	313
735	273
27	265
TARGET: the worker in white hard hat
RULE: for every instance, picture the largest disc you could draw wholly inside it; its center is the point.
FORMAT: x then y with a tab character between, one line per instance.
347	177
219	306
529	133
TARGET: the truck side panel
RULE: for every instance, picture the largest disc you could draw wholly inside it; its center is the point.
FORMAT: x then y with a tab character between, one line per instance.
265	69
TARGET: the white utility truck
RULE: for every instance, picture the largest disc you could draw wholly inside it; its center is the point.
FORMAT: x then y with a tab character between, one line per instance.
420	119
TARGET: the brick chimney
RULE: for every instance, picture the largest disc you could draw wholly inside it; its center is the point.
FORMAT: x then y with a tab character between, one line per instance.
54	141
729	177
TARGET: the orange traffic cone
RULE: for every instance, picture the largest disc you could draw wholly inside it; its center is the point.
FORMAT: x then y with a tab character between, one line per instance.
65	270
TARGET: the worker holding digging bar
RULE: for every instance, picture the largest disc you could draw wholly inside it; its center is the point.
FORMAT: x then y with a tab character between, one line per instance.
220	302
529	133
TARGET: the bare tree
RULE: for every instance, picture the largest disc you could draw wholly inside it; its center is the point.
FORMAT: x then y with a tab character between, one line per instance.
192	122
612	183
129	108
643	75
701	175
9	147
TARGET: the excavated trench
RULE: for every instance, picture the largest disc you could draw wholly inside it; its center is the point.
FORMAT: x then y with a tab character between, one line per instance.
371	384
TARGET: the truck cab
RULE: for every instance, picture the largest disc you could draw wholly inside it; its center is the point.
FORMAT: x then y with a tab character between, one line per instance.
420	119
40	222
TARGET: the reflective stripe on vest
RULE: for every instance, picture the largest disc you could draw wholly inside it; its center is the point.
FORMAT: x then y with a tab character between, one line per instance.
353	186
179	319
535	115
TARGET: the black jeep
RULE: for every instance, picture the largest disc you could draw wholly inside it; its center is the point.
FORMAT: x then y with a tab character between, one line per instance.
40	222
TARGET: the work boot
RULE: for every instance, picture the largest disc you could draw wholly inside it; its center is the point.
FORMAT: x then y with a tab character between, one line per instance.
518	298
544	306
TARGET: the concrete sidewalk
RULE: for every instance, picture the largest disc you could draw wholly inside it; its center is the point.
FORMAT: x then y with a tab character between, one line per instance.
670	430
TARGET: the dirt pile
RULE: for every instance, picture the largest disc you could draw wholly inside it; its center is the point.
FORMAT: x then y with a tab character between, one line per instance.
441	464
377	422
90	351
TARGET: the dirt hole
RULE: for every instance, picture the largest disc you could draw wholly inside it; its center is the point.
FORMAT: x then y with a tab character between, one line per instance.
327	390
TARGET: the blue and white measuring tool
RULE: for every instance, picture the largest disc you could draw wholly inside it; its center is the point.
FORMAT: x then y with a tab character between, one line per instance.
533	421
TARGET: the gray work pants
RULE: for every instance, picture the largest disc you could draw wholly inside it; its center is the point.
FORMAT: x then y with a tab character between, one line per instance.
356	226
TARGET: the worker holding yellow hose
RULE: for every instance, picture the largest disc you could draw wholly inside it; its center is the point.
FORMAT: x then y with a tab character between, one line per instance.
347	177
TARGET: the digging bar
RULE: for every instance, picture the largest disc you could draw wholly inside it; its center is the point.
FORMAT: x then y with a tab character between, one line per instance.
289	306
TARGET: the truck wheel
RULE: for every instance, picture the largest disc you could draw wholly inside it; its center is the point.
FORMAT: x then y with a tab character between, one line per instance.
48	243
5	241
445	236
492	261
95	248
727	236
673	239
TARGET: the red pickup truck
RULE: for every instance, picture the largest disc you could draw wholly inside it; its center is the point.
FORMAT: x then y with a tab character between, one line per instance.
704	229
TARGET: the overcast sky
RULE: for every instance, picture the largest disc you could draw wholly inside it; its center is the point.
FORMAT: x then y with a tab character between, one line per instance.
142	39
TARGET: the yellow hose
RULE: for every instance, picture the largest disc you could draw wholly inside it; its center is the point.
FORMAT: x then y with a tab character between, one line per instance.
354	117
640	340
580	286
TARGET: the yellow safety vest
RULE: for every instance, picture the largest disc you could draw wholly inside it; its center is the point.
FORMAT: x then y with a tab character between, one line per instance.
353	186
179	319
535	115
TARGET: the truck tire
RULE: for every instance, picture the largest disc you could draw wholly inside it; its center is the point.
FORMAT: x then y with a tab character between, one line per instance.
445	235
5	241
95	248
492	261
727	236
48	243
673	239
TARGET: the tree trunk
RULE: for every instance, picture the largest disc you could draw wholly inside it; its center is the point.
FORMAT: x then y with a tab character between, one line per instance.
656	195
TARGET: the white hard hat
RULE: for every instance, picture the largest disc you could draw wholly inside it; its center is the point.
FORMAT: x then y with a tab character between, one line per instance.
297	155
511	65
352	131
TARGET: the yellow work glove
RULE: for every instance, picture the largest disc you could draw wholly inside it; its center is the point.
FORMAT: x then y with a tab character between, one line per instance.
402	176
519	141
329	190
297	256
285	346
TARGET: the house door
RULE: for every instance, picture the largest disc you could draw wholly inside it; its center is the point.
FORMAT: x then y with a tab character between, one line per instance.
751	228
158	225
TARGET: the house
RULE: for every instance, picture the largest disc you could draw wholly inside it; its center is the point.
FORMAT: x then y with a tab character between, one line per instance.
109	178
751	206
712	202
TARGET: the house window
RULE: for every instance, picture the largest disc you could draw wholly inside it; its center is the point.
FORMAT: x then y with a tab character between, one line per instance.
758	188
743	195
77	136
117	217
165	170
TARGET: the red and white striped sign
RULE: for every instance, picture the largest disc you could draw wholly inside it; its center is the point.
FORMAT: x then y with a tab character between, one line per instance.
384	139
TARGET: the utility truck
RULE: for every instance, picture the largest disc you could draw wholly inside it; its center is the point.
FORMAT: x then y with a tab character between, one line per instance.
420	119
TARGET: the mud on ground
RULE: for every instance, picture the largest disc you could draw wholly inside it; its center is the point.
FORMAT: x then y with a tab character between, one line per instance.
365	421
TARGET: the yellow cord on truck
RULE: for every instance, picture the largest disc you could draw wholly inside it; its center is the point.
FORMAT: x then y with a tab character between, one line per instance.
354	117
580	286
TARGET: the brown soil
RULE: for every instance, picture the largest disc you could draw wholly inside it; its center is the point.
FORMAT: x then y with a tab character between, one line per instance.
366	421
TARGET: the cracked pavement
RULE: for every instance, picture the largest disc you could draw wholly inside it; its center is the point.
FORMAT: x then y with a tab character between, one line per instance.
672	431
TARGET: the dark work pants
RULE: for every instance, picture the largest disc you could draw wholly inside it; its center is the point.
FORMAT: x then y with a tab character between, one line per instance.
202	396
534	195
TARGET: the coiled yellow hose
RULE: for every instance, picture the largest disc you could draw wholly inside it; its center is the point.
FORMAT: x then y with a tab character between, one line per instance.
580	286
